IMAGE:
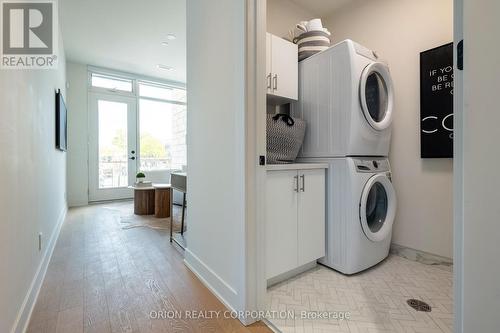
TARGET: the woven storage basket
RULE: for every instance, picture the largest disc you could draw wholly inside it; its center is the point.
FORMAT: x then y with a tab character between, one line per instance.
312	42
284	138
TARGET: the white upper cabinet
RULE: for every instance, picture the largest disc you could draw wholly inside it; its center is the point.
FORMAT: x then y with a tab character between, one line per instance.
281	68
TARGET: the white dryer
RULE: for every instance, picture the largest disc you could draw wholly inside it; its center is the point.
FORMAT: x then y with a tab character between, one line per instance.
346	97
361	206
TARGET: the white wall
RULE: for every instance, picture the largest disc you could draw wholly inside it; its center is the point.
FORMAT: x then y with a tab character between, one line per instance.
283	15
399	30
478	182
77	102
33	178
216	147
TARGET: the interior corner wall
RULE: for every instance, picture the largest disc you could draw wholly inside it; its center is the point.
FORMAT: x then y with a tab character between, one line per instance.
283	15
33	192
77	103
399	30
216	146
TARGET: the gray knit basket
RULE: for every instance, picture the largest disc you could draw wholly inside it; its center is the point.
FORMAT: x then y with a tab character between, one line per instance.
283	139
312	42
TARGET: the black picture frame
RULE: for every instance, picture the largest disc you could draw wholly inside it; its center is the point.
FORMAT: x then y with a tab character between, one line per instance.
61	122
436	102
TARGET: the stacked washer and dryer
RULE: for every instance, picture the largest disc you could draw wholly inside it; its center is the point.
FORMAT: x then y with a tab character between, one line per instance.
346	98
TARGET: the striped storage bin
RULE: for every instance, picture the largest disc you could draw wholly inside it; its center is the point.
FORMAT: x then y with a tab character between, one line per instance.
312	42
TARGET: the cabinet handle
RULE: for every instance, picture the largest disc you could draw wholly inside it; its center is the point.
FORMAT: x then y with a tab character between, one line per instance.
269	81
303	188
275	82
296	189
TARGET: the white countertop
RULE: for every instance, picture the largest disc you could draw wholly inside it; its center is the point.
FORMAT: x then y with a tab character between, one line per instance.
296	166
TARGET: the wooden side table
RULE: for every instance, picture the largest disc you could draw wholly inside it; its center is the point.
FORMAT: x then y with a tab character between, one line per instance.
144	200
162	200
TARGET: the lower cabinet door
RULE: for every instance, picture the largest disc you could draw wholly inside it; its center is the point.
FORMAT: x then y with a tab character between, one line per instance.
311	215
281	222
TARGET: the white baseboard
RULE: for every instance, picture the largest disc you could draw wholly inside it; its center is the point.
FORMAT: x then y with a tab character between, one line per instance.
220	288
24	315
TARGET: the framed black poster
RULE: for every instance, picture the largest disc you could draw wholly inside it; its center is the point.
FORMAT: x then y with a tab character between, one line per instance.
436	102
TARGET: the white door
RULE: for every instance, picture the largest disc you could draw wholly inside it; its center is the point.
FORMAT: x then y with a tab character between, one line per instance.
376	95
281	222
377	208
284	67
112	146
311	216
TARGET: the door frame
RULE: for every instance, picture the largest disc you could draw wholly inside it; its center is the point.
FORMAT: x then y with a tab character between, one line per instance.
255	146
95	193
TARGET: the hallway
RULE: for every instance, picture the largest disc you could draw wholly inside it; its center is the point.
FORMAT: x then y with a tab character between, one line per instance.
103	278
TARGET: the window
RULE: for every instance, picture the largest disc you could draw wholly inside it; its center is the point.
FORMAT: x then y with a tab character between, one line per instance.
162	135
111	82
152	90
160	131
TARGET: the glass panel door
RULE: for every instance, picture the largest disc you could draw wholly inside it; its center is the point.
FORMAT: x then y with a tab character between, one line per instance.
112	147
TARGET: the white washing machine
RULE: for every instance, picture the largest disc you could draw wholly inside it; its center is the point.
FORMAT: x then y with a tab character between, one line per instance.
346	97
361	205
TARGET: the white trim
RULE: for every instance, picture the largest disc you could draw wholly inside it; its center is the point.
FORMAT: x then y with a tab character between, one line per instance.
270	325
458	172
220	288
24	314
133	76
383	71
255	183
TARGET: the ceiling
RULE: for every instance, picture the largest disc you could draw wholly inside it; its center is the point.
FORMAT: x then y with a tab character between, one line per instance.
126	35
321	8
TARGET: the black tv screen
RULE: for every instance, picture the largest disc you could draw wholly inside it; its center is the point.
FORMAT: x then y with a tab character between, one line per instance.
61	123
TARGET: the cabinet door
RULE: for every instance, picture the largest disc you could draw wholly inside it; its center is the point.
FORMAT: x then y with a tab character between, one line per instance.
311	215
284	66
281	222
268	62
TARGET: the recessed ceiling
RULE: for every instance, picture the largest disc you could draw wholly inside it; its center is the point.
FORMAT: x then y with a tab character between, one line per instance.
127	35
321	8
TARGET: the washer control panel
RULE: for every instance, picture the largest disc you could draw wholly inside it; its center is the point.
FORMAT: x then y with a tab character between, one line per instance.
372	165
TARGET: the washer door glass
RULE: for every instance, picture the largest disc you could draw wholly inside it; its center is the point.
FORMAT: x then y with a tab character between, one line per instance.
376	95
377	208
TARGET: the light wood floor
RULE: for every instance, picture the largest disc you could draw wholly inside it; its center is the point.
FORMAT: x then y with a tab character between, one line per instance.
102	278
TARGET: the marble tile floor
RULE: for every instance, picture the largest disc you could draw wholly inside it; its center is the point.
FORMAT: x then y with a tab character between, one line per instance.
375	300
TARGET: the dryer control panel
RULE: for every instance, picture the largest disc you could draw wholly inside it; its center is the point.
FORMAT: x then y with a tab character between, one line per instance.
373	165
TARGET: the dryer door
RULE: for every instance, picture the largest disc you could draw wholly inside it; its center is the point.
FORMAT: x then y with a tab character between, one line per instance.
376	95
377	207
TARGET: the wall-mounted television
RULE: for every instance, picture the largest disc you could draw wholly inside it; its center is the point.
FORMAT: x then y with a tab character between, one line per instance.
61	122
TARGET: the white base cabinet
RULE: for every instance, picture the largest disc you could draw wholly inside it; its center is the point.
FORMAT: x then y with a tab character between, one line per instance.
295	219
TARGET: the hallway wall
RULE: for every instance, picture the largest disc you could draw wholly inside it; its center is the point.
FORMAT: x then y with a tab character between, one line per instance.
216	146
78	148
33	192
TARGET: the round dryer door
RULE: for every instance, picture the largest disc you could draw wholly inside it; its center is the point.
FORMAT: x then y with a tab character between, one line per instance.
376	95
377	208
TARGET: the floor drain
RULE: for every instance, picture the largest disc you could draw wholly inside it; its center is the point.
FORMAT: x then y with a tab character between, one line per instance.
419	305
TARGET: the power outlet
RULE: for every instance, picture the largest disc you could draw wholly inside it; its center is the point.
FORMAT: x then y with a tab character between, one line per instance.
40	241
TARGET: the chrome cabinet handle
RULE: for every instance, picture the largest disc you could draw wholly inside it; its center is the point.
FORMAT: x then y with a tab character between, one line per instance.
275	82
269	84
303	188
296	178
